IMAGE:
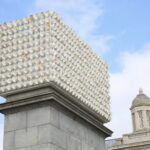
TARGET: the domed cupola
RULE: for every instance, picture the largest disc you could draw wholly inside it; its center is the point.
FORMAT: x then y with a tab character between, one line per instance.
141	100
140	110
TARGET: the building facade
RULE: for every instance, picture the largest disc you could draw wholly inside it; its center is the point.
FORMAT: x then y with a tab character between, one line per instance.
139	139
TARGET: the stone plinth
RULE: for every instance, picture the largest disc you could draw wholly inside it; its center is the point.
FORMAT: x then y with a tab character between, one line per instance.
47	118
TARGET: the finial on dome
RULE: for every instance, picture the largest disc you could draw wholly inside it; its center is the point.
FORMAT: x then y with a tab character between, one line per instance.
140	91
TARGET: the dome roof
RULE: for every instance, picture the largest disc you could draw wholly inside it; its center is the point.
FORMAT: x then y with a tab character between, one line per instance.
141	100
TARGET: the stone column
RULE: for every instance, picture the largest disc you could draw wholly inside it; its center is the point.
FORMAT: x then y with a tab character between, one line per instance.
137	123
47	118
133	121
145	119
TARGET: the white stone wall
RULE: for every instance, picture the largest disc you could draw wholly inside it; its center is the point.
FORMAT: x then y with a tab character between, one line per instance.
42	49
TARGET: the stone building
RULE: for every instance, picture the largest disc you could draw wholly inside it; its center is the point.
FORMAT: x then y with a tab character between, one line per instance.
57	88
139	139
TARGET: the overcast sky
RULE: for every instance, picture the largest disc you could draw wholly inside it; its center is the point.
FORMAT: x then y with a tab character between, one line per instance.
117	30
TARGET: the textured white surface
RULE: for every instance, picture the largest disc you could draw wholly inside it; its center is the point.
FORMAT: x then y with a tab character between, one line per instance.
40	49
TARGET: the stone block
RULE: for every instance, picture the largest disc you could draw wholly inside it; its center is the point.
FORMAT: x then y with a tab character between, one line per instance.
54	116
55	147
67	123
32	136
44	134
74	143
80	130
20	138
90	137
15	121
38	116
86	146
101	142
58	137
9	142
21	149
26	137
39	147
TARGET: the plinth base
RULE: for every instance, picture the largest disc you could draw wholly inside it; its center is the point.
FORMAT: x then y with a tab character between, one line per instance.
44	119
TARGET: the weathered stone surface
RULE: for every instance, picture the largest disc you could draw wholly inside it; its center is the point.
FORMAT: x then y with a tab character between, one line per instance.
54	116
86	146
50	126
40	147
54	94
74	143
67	123
15	121
21	149
38	116
58	137
55	147
9	143
32	136
20	138
26	137
44	134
